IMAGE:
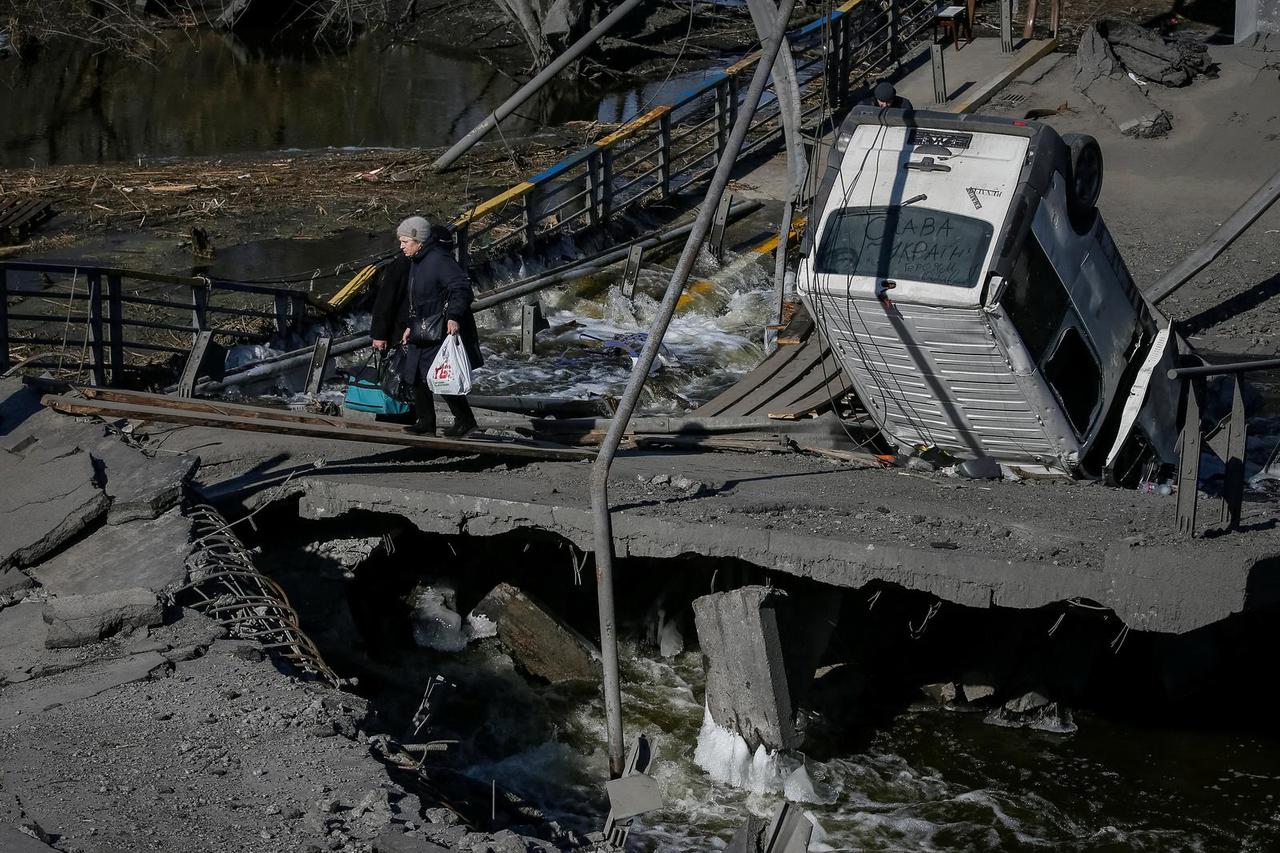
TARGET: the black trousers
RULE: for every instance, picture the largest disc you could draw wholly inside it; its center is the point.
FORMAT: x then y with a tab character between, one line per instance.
425	405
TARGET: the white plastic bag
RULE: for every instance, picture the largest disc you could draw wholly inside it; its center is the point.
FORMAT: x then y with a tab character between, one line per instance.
450	371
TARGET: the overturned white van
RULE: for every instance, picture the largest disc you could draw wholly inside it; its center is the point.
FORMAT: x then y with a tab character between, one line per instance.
961	271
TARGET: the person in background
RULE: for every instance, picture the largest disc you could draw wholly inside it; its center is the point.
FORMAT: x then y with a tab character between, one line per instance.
426	277
884	96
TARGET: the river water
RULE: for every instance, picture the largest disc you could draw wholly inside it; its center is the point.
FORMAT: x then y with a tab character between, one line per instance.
211	94
928	780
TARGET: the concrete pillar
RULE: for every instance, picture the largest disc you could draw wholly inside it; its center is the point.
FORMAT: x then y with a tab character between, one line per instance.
1261	17
760	647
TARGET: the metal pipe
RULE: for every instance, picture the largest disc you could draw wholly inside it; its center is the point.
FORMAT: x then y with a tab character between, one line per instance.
1224	369
280	365
786	88
596	262
640	372
1235	225
529	89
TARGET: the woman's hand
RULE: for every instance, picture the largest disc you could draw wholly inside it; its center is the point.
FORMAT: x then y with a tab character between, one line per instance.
453	327
404	339
379	344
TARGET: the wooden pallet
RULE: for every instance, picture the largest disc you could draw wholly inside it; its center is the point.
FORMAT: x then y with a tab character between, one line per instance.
18	217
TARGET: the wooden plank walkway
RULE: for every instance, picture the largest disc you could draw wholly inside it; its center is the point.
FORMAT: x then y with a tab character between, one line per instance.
163	409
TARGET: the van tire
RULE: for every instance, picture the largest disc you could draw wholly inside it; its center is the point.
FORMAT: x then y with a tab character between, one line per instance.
1086	173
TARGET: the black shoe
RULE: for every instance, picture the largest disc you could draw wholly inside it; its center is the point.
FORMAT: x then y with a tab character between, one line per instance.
460	429
421	428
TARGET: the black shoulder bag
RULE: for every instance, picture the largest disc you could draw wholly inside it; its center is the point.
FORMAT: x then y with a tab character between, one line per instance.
425	331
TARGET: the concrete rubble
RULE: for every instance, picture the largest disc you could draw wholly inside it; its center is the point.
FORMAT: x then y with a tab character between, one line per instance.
49	498
747	688
538	641
1119	64
761	647
129	722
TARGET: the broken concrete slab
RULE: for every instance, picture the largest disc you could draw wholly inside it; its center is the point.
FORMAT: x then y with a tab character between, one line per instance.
13	585
78	620
395	841
747	690
17	403
50	496
35	697
14	840
151	554
1128	106
140	486
22	633
540	642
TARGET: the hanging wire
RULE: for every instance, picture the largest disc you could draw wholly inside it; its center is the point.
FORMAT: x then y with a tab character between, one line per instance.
684	42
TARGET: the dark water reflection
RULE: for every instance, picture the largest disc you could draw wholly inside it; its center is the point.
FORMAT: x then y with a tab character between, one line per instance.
211	94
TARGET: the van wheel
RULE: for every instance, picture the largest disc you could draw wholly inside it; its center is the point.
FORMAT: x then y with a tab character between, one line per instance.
1086	172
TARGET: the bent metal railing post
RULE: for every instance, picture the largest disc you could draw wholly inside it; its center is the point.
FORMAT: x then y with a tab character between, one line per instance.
1232	452
618	425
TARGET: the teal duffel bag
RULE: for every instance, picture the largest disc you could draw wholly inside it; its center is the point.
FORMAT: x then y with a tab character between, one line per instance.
364	389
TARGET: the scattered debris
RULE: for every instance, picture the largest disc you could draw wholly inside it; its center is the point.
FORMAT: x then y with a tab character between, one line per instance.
1117	61
1033	710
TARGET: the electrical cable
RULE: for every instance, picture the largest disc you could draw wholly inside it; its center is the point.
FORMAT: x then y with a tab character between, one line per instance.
684	43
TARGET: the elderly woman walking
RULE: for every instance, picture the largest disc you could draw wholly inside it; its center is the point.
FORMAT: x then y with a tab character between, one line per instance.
420	289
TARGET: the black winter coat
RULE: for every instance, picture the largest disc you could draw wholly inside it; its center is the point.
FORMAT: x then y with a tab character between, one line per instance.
437	279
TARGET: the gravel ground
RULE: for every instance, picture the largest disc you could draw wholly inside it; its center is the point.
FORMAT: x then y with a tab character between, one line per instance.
218	753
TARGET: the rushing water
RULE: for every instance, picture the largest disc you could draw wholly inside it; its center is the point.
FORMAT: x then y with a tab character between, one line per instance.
929	780
210	94
716	335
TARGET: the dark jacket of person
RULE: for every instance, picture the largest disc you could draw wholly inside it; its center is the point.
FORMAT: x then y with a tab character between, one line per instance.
434	280
898	103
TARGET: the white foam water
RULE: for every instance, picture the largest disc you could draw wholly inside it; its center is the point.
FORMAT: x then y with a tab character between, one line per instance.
726	757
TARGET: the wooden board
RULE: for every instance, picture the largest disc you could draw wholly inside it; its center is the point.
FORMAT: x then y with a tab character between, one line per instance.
305	425
765	370
793	382
778	387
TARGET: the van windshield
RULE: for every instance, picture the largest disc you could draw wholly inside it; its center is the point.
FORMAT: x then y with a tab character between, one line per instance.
912	243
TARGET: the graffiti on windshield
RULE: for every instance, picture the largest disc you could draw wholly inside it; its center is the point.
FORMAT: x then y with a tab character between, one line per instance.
911	244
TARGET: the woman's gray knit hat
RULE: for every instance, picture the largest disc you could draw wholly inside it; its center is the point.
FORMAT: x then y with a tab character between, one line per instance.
415	228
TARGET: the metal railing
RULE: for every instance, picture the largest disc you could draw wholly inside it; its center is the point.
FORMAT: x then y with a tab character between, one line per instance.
1229	440
104	318
674	146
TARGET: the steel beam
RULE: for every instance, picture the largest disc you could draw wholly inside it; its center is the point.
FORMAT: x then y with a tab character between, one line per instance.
319	358
1236	223
1237	438
631	275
